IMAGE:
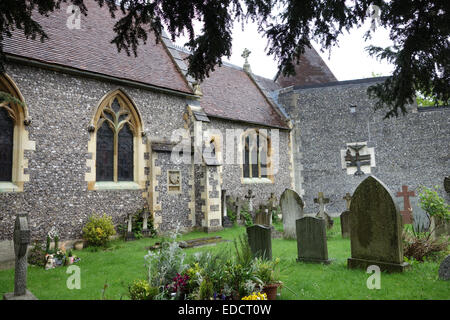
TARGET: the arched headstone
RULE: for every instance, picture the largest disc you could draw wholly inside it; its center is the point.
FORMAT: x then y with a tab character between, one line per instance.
376	228
291	209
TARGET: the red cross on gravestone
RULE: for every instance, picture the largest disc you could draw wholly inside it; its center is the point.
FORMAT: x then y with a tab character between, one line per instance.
406	212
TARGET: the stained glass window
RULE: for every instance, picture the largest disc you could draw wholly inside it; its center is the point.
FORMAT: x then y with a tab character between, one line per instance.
6	145
105	153
125	154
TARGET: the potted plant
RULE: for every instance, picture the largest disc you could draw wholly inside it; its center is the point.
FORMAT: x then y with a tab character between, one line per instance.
268	272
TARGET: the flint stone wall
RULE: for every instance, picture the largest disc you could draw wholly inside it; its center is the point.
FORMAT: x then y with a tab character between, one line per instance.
61	107
410	150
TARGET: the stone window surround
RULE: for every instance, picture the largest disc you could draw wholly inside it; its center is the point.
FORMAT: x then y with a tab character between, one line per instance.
140	178
21	143
270	177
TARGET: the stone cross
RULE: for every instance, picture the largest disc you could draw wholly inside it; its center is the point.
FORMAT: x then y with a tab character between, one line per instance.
239	203
348	199
406	212
321	200
245	54
22	238
250	198
272	201
357	160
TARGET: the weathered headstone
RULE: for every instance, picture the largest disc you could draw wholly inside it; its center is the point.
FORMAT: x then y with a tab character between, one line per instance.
22	238
292	209
263	216
345	224
260	241
406	213
444	269
376	228
345	217
321	200
145	230
312	240
226	221
130	234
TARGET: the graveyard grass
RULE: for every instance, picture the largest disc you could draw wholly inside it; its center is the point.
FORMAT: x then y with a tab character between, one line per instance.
124	262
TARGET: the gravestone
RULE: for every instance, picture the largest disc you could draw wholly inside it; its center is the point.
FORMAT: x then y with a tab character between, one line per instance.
321	200
406	212
22	238
345	217
130	234
145	230
263	216
444	269
292	209
447	184
226	221
260	241
376	228
312	240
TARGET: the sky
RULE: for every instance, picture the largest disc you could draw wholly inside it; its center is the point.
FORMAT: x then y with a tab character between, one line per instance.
347	61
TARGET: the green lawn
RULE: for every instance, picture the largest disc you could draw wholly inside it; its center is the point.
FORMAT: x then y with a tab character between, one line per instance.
124	262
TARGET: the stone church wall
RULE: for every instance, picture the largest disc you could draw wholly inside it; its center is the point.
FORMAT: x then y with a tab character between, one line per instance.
410	150
61	107
232	173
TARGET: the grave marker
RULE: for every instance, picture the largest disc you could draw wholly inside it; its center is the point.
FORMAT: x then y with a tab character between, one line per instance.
376	228
321	200
312	240
406	213
22	238
260	241
292	209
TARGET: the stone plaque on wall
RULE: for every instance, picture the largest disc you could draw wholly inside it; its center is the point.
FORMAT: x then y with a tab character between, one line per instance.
174	181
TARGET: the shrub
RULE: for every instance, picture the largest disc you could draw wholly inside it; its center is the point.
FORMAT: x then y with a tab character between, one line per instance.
98	229
36	256
164	265
420	245
433	204
141	290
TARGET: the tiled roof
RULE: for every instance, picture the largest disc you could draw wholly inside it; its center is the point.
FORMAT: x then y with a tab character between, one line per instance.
310	70
230	93
89	49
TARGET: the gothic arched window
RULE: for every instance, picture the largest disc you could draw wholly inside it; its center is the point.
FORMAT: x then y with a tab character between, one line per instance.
255	155
6	145
117	126
14	139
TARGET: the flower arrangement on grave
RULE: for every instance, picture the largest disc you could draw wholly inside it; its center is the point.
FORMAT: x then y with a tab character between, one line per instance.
256	296
269	273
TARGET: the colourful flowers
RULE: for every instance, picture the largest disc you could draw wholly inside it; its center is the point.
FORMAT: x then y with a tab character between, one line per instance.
256	296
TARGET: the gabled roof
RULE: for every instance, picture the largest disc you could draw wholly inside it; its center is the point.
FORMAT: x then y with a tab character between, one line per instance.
89	49
230	93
